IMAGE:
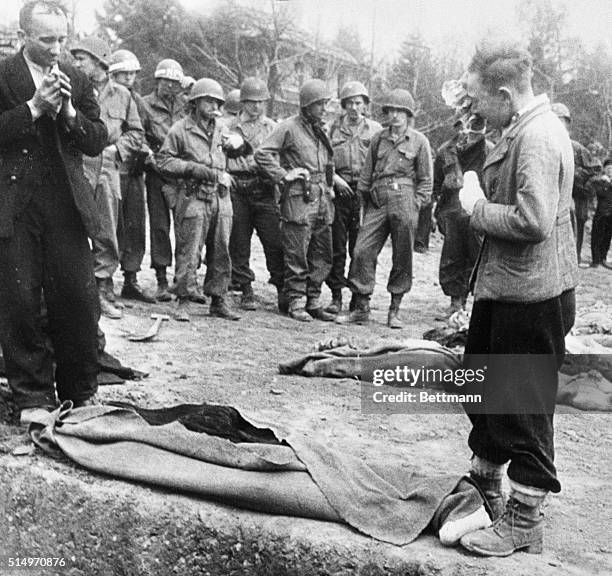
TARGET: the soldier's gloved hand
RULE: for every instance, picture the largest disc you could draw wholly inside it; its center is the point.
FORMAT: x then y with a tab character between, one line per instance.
365	197
295	174
47	98
471	193
200	172
342	188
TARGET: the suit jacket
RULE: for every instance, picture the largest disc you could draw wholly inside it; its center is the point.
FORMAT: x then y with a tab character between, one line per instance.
528	254
28	148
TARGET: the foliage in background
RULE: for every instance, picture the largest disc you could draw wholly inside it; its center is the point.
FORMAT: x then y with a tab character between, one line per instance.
234	41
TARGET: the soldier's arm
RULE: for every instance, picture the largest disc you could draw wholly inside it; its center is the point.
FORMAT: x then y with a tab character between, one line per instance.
132	136
365	177
423	172
171	163
267	155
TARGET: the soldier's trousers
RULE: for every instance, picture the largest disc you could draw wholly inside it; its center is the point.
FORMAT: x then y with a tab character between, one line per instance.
581	215
198	223
601	236
132	222
423	231
347	217
307	244
107	193
253	211
159	221
459	253
397	217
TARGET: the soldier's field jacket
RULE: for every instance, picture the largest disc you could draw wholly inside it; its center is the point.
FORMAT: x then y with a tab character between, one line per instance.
404	165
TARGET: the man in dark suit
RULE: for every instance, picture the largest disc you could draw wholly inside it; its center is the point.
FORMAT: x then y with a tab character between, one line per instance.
49	117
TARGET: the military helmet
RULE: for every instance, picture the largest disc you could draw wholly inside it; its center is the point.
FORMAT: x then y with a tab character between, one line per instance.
313	91
95	47
232	102
206	87
253	89
400	99
123	61
169	69
353	89
561	110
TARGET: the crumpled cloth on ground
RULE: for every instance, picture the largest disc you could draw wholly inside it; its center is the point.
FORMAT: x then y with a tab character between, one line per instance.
348	362
447	336
111	370
585	391
597	319
387	500
584	353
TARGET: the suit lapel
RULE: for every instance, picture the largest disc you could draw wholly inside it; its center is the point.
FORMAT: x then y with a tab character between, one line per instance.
20	81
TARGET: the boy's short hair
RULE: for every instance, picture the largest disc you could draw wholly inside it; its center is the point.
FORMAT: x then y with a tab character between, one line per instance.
502	62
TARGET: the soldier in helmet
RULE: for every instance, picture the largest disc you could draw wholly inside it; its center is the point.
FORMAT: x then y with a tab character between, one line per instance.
464	152
584	168
125	137
253	198
350	136
395	182
164	106
298	156
192	152
232	106
123	68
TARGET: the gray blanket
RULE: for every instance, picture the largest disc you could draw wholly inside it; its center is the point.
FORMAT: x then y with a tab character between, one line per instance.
388	500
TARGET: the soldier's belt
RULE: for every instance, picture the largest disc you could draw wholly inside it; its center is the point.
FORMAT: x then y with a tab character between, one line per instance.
392	182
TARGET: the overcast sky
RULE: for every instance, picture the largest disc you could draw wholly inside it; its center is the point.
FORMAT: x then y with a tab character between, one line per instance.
465	21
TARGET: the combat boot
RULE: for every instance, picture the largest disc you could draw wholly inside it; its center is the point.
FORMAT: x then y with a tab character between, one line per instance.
491	489
519	528
132	290
393	319
247	300
335	306
197	297
320	314
300	315
107	308
182	310
297	311
162	294
107	286
220	309
360	313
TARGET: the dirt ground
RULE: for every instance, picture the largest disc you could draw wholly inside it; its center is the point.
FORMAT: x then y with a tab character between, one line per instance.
213	360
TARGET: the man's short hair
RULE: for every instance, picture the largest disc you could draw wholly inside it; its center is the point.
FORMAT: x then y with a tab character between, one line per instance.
501	63
40	7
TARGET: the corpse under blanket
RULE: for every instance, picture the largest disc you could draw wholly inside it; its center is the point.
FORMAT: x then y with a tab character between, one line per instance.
388	500
349	362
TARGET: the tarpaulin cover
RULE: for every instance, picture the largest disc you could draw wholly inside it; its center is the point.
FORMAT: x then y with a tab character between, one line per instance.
386	499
